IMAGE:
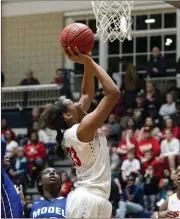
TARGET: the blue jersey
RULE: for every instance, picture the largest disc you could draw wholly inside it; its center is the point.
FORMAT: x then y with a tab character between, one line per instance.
11	206
49	209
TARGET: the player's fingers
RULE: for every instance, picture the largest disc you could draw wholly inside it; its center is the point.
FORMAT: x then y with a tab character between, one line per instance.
171	214
90	54
66	53
70	51
77	51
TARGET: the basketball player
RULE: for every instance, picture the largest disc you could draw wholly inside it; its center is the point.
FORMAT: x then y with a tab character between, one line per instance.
84	142
11	206
171	207
51	205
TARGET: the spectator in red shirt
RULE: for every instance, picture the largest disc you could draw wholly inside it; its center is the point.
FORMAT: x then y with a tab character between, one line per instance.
148	143
130	125
4	128
149	160
66	184
35	152
129	144
170	126
155	131
58	77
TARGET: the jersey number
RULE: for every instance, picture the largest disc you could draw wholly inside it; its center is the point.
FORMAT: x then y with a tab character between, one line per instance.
72	153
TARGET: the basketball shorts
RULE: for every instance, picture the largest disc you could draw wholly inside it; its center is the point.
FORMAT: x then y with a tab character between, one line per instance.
85	204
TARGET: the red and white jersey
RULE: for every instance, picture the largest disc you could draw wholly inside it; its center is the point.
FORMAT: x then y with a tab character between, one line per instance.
91	160
174	203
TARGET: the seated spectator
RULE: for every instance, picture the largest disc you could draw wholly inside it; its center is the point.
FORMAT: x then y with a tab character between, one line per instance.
126	117
115	176
19	167
66	184
154	114
130	125
151	189
114	158
114	127
114	197
131	164
152	95
132	199
106	131
5	127
58	77
168	109
170	148
149	160
140	111
148	143
156	66
29	80
130	85
35	152
129	144
155	131
42	134
11	144
170	126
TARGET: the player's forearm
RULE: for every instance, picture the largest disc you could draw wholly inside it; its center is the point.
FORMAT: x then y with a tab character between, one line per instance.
88	87
107	83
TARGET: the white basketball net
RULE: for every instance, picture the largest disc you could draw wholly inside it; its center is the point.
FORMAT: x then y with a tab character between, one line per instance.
113	19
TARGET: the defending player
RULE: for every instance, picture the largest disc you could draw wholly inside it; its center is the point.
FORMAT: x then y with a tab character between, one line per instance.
171	207
52	205
84	141
11	206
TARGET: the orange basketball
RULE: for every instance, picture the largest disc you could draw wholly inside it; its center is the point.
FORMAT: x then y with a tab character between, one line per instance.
77	35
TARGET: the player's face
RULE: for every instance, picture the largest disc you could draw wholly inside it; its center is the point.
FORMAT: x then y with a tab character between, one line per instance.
178	178
49	177
6	163
75	109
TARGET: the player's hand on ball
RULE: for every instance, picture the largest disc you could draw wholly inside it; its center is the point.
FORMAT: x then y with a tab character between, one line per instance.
78	57
172	214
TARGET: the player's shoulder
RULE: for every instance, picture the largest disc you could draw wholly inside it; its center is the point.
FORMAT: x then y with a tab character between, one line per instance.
70	136
62	199
70	131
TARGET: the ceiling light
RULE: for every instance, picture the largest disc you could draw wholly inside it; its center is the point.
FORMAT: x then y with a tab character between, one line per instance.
169	40
150	21
167	43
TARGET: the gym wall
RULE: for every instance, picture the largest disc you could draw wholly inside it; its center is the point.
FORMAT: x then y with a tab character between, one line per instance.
31	42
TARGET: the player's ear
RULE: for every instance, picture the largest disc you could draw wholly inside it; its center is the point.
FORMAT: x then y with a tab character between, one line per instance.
40	183
67	116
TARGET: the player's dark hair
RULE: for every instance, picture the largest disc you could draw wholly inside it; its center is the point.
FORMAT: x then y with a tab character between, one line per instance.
52	117
40	187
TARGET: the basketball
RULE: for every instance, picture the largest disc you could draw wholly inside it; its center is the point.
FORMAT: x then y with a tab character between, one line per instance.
77	35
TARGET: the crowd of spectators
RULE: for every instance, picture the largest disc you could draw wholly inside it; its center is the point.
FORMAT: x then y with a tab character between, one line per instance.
143	134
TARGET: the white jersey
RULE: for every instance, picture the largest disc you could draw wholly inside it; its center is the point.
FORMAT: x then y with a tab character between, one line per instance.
91	160
174	203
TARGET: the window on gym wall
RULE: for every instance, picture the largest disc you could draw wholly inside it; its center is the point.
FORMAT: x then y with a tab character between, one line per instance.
138	50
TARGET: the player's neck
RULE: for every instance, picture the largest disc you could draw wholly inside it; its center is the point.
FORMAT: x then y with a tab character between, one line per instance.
51	195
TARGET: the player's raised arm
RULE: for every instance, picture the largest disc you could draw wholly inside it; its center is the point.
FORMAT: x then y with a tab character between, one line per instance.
87	88
94	120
